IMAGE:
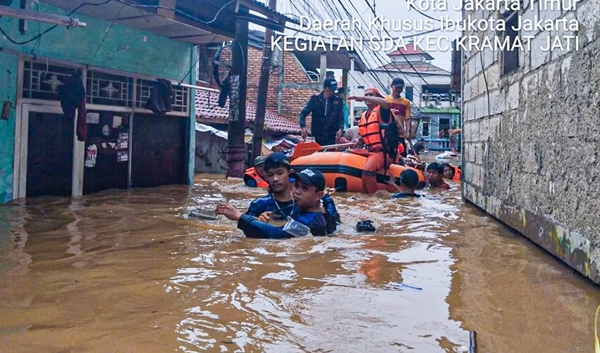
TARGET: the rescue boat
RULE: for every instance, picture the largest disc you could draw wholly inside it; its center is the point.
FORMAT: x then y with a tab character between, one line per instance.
343	170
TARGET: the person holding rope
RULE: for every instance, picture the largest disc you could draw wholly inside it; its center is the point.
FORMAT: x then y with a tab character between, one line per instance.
402	106
380	141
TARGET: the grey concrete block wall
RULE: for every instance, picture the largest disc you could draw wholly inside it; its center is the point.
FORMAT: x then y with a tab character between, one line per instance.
531	140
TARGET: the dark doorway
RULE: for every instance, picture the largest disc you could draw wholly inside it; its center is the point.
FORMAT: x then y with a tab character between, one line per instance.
444	123
49	155
158	154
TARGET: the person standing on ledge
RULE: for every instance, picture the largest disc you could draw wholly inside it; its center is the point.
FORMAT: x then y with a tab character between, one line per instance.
327	111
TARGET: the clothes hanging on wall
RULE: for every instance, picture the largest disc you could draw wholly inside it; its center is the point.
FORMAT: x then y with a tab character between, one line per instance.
72	101
161	97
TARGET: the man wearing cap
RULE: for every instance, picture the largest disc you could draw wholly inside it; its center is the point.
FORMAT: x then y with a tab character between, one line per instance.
327	111
279	204
311	219
401	107
371	131
255	176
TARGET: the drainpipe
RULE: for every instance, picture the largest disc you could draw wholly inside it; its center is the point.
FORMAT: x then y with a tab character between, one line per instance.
350	90
191	138
280	85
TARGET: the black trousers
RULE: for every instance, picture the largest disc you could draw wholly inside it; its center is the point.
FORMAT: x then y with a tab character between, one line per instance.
324	140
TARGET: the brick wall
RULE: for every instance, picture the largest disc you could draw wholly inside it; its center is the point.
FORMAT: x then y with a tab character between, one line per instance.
293	99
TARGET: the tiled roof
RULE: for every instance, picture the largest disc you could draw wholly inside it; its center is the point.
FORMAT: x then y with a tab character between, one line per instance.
410	49
419	66
208	109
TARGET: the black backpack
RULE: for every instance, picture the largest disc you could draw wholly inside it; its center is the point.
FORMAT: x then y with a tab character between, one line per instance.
390	140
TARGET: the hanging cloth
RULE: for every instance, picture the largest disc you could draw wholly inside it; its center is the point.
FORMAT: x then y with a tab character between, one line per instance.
72	101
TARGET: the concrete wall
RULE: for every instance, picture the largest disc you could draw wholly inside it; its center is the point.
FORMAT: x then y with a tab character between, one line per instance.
122	48
532	140
8	91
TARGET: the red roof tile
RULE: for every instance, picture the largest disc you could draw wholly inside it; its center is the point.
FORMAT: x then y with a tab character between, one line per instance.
208	109
411	49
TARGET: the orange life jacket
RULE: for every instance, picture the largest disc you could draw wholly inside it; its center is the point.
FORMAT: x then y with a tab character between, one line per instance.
251	173
370	131
457	173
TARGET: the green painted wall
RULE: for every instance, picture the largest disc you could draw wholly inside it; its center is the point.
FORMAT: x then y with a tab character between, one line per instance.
100	44
124	48
8	91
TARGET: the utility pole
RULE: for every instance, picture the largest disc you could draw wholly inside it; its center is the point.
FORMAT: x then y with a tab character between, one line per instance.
236	147
263	91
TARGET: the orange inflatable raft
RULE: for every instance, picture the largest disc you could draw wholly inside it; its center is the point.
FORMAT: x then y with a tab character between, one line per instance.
343	170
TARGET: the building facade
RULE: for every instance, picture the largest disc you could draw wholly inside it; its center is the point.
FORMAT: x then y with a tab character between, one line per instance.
290	84
46	149
427	86
531	135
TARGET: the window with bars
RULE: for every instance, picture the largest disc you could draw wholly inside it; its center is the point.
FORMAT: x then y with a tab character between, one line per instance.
180	96
42	80
107	89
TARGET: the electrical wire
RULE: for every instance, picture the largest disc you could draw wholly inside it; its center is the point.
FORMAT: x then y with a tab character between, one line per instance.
422	13
52	27
400	51
182	13
106	34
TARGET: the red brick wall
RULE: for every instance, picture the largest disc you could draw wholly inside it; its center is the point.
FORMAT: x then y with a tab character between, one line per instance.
293	99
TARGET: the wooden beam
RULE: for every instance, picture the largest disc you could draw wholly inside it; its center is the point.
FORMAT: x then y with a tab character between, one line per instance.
165	8
236	146
323	68
263	91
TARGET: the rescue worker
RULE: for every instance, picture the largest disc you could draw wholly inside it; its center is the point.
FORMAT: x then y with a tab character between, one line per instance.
401	107
327	111
372	136
255	176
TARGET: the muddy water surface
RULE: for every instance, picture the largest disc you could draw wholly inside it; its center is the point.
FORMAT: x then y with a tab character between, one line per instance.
131	271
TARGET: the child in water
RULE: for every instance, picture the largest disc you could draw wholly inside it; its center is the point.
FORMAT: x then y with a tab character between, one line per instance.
435	174
407	183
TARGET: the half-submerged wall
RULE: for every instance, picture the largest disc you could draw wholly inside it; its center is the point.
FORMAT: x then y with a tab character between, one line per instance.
532	135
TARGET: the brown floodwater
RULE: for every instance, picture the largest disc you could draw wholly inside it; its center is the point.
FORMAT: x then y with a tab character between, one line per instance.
132	271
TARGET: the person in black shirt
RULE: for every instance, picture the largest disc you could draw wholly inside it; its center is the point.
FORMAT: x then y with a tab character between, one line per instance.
327	112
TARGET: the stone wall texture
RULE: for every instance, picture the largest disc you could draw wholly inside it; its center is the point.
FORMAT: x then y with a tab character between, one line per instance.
531	139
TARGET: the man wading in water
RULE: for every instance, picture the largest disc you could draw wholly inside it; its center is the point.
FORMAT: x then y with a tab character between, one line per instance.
310	219
276	207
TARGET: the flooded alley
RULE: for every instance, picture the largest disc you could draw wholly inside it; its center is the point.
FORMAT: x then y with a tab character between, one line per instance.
132	271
